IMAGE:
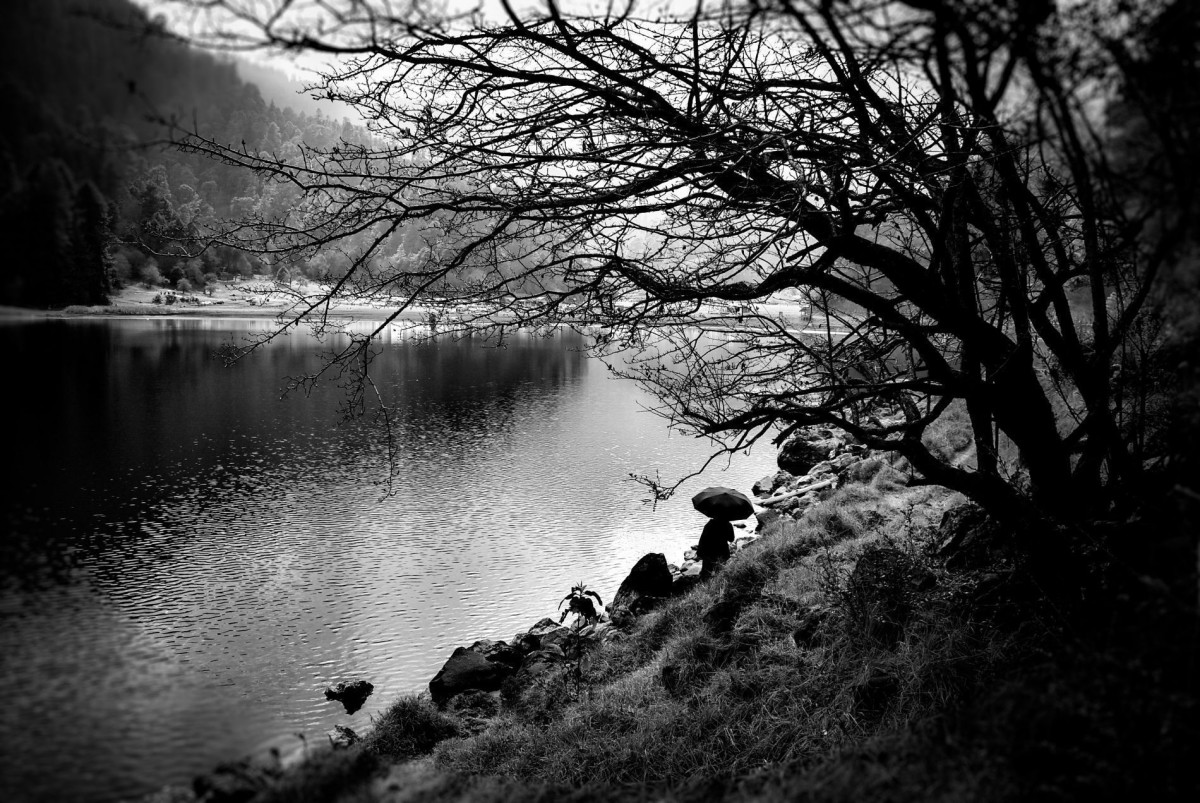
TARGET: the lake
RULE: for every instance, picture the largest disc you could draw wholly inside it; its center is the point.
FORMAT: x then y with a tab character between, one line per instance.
190	560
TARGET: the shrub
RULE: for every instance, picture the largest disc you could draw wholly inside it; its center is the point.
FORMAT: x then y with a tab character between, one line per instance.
409	728
150	274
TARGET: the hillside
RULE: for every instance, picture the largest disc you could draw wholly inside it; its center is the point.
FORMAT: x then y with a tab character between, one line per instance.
93	197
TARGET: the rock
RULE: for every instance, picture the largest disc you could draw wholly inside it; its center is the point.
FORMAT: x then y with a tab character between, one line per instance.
238	782
766	517
341	737
768	484
543	625
649	582
798	455
802	452
843	461
551	653
691	554
548	631
537	665
527	643
350	693
501	652
466	671
824	468
597	632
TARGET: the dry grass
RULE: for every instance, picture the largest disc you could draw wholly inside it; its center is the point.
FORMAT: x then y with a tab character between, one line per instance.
716	695
692	699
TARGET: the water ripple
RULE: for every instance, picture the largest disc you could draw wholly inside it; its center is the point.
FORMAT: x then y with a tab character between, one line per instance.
230	559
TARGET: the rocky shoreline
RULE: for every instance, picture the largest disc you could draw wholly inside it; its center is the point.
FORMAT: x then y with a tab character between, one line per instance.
476	681
813	464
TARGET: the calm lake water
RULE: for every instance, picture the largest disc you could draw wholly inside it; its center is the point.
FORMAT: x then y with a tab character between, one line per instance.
189	560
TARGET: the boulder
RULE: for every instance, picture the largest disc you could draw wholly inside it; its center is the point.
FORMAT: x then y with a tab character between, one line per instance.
843	460
501	652
766	517
526	643
547	631
466	671
799	455
552	653
598	631
648	583
824	468
350	693
537	665
768	484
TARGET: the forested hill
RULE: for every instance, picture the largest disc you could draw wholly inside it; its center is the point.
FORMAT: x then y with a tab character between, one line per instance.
80	159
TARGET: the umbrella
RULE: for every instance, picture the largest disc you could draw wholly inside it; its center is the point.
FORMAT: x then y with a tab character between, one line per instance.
723	503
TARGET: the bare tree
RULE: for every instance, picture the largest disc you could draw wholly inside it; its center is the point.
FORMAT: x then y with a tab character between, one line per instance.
931	174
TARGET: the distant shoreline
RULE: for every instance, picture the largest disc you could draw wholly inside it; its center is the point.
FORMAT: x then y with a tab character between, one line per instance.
254	300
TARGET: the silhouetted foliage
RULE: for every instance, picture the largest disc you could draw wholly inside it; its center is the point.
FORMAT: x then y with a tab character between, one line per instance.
936	177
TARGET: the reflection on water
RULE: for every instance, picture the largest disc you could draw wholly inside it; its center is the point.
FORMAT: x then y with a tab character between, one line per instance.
190	560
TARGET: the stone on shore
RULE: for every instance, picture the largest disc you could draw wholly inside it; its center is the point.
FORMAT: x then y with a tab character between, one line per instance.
768	484
548	632
465	671
500	652
648	583
801	453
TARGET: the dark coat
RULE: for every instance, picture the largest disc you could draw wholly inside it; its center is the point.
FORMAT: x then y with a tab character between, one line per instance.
715	540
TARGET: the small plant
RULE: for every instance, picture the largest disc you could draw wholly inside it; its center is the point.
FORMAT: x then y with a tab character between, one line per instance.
578	603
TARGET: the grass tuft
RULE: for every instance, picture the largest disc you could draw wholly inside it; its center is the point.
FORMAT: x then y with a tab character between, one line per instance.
411	727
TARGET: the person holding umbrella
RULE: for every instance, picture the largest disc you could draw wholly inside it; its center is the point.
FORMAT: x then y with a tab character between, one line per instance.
721	505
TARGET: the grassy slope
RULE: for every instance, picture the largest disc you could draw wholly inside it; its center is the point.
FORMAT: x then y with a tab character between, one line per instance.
976	701
993	691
